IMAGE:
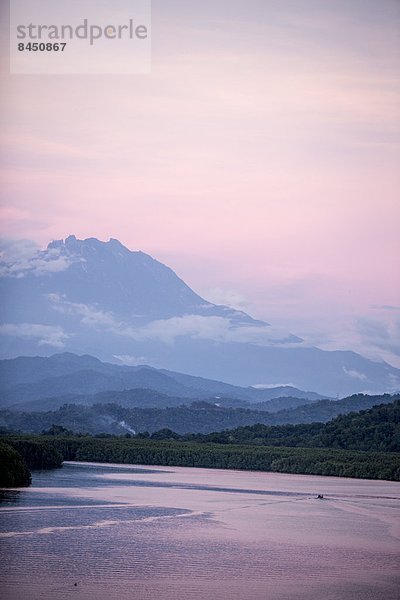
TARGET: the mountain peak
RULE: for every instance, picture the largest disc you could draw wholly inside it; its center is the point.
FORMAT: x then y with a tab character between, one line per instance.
116	243
73	243
70	239
95	297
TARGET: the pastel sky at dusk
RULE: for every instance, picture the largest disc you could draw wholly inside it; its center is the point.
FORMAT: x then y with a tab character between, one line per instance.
259	160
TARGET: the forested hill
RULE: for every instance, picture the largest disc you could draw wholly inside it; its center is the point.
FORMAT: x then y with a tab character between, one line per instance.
332	448
325	410
200	417
376	429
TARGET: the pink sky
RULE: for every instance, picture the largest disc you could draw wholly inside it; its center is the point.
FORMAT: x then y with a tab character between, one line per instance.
259	160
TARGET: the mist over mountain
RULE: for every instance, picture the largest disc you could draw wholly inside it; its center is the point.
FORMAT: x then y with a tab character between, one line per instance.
198	417
99	298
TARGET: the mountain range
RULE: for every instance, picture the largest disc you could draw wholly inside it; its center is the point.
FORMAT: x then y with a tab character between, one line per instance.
45	383
100	298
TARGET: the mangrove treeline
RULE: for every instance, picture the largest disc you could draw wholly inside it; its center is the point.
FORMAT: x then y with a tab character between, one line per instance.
364	444
314	461
19	455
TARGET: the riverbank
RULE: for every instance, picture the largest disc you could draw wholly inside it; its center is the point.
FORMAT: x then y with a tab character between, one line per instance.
51	450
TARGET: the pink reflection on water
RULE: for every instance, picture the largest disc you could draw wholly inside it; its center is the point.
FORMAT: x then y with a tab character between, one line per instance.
220	534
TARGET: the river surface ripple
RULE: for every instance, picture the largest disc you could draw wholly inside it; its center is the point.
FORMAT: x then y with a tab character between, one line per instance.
107	532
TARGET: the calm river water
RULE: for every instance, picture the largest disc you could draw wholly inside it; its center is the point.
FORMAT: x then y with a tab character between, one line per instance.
108	532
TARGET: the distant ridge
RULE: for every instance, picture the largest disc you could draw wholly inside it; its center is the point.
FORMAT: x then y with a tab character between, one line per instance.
26	381
196	417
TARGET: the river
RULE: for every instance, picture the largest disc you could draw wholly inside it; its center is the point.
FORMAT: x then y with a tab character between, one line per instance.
117	532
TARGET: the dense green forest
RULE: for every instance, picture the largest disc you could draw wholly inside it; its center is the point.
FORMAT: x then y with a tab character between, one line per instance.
113	418
315	461
37	452
13	470
199	417
364	444
19	455
376	429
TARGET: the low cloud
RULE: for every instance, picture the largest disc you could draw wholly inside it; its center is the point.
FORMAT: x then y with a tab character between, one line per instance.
218	329
46	335
213	328
376	337
355	374
227	297
132	361
270	386
19	258
383	334
90	315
